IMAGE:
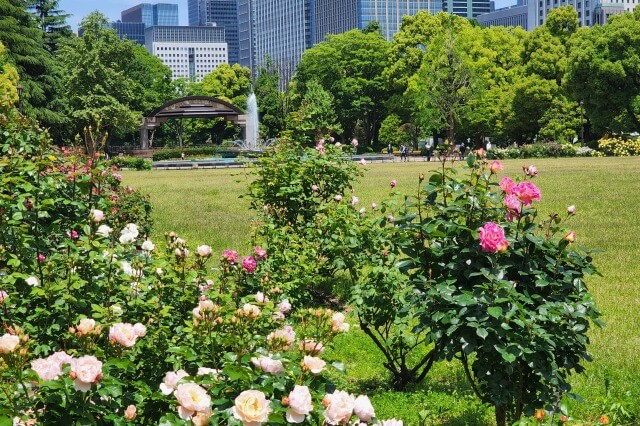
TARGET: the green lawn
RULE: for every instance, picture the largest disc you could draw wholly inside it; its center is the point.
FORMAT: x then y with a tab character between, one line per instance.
204	207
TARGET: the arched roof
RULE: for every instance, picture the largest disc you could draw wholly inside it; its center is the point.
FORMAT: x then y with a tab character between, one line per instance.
196	107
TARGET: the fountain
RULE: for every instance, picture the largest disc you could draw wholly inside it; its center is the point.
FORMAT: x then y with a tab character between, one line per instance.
252	142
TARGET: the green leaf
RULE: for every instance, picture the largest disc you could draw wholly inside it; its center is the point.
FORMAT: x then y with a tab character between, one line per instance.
495	311
482	333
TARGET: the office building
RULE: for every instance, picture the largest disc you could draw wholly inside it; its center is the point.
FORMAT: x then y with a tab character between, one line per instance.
133	31
590	12
190	52
246	33
152	14
467	8
220	13
512	16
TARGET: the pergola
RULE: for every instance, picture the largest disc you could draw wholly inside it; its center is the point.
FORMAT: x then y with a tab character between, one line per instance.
191	107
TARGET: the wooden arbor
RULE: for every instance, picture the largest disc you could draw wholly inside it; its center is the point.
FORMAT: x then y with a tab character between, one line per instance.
191	107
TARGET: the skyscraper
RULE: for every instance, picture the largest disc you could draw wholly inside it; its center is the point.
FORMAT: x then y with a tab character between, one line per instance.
152	14
221	13
466	8
339	16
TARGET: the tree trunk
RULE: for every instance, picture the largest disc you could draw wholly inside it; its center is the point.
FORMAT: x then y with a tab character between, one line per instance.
501	415
451	132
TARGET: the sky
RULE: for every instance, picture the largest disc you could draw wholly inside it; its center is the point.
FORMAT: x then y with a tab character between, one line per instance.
111	8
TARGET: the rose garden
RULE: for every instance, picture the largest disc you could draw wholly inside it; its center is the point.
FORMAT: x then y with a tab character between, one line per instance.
495	287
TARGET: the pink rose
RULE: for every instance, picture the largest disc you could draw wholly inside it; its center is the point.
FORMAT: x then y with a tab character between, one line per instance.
260	252
354	201
507	185
313	364
514	207
338	197
85	371
268	364
285	306
61	358
259	297
130	413
532	171
363	162
192	399
354	142
314	187
338	324
363	408
392	183
251	311
496	166
86	326
300	404
171	380
204	307
249	264
527	192
139	329
492	238
391	219
3	296
230	256
392	422
282	338
46	368
571	210
374	206
123	333
251	408
311	347
340	407
96	215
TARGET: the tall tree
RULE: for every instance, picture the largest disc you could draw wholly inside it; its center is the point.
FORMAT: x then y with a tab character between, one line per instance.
8	82
604	73
349	66
26	51
52	21
101	95
231	83
447	81
270	100
316	117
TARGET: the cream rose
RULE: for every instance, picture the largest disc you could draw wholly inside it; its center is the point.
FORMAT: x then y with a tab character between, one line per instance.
192	399
32	281
300	404
363	408
140	329
104	230
85	371
339	407
123	333
96	215
131	413
311	347
392	422
203	251
252	408
8	343
148	245
171	380
86	326
313	364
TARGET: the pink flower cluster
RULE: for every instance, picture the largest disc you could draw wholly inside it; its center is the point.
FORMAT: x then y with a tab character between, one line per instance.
492	238
525	191
340	406
229	256
126	334
249	264
50	368
85	371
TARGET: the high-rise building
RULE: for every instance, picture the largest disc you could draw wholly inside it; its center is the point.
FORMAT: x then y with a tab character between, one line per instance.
133	31
221	13
152	14
278	29
190	52
246	33
466	8
590	12
512	16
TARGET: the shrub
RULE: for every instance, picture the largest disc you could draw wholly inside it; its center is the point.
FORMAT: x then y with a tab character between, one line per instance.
619	147
129	162
194	152
540	150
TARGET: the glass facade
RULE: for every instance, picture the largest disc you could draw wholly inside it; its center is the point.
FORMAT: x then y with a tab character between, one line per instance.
131	30
513	16
221	13
152	14
246	33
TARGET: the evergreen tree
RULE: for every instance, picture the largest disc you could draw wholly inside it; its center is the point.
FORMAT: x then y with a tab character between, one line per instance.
26	51
52	22
270	100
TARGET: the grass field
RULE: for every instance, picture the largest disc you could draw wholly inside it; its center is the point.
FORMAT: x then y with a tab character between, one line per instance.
204	207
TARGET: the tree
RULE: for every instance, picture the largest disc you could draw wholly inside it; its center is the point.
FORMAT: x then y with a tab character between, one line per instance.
8	82
604	72
153	80
316	117
52	21
100	94
38	73
391	131
447	82
350	67
231	83
270	100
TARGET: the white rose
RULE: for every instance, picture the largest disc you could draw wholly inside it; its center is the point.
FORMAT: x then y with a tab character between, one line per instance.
148	246
8	343
363	408
300	404
32	281
126	238
96	215
313	364
339	407
104	230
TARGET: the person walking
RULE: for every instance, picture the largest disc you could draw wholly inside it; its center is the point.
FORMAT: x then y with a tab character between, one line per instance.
403	153
389	149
